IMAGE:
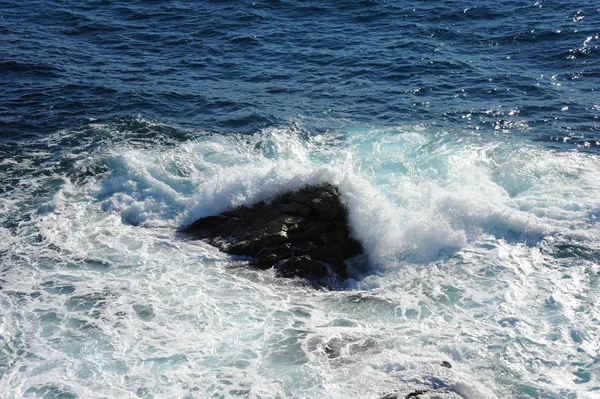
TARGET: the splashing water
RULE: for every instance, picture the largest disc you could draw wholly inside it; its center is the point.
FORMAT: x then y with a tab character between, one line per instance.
479	252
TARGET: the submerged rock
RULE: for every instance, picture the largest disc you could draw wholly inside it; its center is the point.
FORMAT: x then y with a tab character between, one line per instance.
302	234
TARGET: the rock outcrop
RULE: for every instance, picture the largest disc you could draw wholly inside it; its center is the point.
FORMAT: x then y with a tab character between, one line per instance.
302	234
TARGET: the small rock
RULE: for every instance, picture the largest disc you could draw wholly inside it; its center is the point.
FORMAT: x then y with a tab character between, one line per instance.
423	394
446	364
333	348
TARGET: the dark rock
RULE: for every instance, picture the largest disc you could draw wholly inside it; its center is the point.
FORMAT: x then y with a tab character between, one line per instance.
296	208
423	394
446	364
302	266
302	234
333	348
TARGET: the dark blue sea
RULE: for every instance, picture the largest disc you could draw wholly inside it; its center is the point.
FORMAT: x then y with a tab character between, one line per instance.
464	137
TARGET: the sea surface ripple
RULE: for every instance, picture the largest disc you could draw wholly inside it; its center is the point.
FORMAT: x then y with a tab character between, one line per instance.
464	137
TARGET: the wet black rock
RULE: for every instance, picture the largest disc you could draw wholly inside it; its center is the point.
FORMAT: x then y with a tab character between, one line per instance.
302	234
423	394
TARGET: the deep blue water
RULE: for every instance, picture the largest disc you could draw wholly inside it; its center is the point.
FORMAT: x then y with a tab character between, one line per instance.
240	66
464	137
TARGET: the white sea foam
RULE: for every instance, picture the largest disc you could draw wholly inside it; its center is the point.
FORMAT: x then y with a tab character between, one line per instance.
464	238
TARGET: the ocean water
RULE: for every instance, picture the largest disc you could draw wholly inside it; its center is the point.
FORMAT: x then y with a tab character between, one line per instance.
464	137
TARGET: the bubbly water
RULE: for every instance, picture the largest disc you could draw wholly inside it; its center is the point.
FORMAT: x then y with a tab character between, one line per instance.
471	179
